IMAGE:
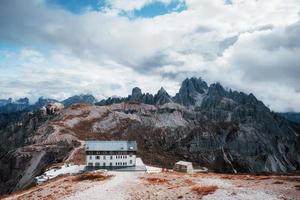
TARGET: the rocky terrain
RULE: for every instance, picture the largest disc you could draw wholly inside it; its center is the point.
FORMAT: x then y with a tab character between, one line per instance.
164	185
223	130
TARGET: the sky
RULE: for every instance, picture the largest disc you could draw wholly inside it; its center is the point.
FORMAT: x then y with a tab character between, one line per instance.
58	48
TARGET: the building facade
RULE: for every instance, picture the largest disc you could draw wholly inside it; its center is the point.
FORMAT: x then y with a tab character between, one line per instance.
110	154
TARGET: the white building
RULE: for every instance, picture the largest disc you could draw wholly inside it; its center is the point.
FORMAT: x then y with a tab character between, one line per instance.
182	166
110	154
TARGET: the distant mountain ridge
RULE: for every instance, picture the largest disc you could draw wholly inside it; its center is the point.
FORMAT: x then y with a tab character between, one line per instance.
22	104
291	116
192	93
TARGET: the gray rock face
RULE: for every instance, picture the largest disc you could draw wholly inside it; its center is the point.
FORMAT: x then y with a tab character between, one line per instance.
162	97
191	91
23	154
259	141
136	94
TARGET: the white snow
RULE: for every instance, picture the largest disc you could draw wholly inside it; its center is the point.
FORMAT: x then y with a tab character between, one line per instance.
65	169
150	169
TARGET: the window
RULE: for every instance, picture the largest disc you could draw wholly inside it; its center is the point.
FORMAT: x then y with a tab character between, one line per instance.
97	157
104	164
111	157
104	157
97	164
91	157
130	155
90	164
130	161
110	163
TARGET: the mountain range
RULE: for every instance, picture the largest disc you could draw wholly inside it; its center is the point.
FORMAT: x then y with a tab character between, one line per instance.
223	130
191	94
22	104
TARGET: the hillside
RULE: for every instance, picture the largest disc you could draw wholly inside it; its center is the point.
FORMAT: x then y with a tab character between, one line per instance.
226	131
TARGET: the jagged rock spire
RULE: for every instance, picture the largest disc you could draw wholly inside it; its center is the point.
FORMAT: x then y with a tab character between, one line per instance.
162	97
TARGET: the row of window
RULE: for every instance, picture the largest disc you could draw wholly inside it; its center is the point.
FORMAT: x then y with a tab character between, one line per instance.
111	157
110	164
123	163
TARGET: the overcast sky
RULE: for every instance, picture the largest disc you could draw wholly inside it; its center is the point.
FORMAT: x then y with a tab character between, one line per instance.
56	48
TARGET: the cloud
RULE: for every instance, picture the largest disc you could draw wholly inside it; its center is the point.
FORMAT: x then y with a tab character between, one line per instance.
247	45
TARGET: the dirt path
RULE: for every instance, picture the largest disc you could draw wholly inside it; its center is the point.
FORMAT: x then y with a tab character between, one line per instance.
117	188
75	151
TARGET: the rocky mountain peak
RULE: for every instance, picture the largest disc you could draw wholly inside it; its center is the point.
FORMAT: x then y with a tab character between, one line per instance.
22	101
136	94
191	90
162	97
162	91
216	89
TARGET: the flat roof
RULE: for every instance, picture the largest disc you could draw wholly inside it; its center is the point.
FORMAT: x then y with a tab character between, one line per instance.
115	145
183	163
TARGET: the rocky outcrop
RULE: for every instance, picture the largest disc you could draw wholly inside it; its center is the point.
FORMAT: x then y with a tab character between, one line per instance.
54	108
162	97
191	92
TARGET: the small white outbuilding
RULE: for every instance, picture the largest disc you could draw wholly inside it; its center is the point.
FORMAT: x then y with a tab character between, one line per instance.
183	166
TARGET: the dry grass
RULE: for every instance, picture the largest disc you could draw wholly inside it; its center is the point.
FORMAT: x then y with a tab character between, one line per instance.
156	181
188	182
78	157
204	190
91	176
244	177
